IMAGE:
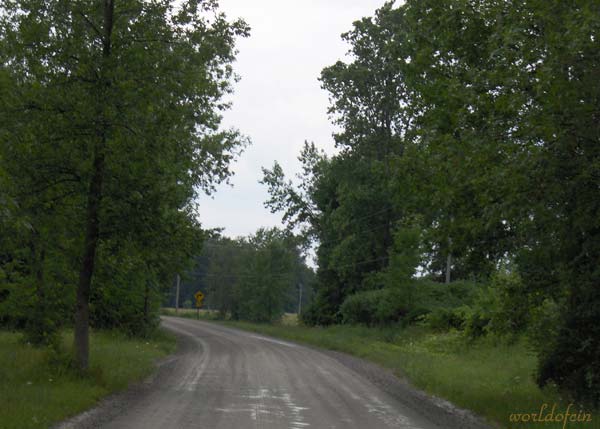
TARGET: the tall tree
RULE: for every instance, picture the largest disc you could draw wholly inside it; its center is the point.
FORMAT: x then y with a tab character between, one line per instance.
119	102
493	151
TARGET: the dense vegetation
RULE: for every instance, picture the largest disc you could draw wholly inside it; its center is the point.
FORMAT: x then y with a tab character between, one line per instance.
255	278
468	151
110	118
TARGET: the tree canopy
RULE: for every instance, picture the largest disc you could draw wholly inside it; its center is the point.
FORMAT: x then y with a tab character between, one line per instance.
472	127
110	127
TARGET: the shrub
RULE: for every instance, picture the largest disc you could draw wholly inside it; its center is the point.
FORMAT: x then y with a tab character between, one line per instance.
502	308
544	326
321	312
571	359
431	295
444	319
476	322
373	307
510	304
442	306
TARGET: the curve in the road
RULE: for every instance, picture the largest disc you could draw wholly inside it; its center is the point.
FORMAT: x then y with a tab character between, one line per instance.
223	378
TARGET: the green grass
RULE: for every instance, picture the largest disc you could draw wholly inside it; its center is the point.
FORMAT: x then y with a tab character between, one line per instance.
191	313
489	376
37	387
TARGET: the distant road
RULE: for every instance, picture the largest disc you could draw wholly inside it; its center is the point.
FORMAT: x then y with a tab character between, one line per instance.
223	378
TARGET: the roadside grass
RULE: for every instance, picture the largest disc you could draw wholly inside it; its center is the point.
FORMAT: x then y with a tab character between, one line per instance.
39	388
191	313
490	376
288	319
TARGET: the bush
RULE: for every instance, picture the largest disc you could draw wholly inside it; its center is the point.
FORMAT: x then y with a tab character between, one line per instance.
571	358
502	308
510	304
114	306
321	312
439	304
444	319
544	325
432	295
476	323
373	307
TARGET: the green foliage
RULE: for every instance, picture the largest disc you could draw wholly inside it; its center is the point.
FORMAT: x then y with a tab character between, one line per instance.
570	356
440	295
510	306
544	326
405	257
502	308
446	319
439	305
321	311
255	278
477	320
267	274
107	135
373	307
485	130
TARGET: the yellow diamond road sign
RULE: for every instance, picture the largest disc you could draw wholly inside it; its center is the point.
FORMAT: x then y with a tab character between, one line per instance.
199	297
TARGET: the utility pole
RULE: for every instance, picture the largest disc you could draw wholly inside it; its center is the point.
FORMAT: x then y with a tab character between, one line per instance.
299	298
178	280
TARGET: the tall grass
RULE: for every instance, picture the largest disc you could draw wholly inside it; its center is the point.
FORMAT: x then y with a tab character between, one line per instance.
38	387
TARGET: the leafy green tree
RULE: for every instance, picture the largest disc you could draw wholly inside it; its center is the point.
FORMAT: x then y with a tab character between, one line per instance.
257	277
520	75
116	112
226	259
479	118
347	200
267	276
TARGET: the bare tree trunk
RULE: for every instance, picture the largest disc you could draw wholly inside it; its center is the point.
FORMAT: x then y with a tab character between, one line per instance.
82	314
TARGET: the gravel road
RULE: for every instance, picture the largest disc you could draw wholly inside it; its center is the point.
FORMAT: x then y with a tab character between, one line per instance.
223	378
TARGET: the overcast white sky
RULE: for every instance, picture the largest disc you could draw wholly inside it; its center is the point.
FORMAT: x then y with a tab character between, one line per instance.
278	103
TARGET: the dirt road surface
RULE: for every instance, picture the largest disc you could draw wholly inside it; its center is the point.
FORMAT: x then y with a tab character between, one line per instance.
223	378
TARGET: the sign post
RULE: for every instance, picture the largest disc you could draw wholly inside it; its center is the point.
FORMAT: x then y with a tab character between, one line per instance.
199	297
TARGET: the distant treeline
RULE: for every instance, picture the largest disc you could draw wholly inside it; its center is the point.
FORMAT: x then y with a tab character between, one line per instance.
469	150
255	278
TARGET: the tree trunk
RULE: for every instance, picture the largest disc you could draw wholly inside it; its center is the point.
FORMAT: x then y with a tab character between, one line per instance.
82	314
146	305
38	330
178	279
448	267
89	256
449	261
